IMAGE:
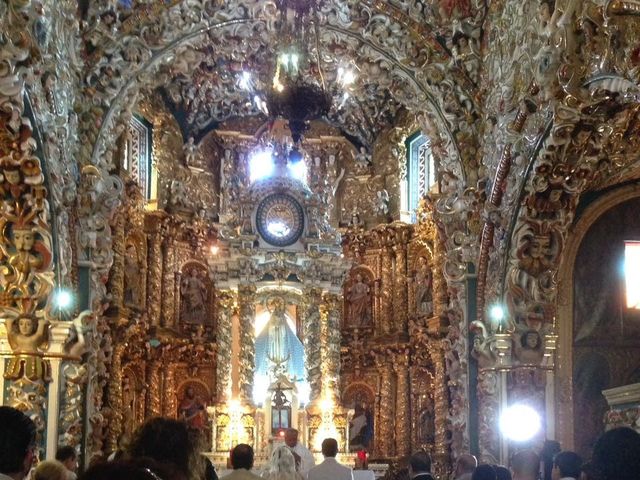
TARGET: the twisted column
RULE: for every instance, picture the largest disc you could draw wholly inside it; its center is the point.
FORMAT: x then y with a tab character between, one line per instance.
400	295
403	410
154	276
312	326
387	291
441	411
168	283
247	314
169	407
116	277
153	389
226	307
387	405
331	344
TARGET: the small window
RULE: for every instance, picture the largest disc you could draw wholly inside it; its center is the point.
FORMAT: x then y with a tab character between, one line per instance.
137	156
420	175
632	273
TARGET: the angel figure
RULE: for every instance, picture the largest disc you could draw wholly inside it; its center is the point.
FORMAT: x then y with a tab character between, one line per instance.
25	336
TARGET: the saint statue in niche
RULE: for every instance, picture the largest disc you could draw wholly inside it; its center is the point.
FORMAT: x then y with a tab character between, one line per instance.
360	428
423	287
193	410
132	280
359	299
529	349
193	292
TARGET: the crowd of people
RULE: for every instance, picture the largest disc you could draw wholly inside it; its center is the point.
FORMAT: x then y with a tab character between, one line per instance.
167	449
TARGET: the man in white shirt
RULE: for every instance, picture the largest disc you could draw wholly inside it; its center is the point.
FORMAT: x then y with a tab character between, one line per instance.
304	458
566	466
330	469
17	444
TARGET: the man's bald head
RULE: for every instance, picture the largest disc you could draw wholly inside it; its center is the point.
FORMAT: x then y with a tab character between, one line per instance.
525	465
291	437
466	464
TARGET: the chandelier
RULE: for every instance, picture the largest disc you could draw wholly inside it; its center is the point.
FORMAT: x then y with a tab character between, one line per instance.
296	91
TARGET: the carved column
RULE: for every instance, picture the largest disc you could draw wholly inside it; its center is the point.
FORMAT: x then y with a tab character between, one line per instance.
387	406
332	358
312	325
226	309
441	411
247	314
403	411
154	261
115	397
400	295
168	282
386	321
169	407
154	387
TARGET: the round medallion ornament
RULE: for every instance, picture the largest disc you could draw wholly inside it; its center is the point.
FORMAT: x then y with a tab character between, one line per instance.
280	220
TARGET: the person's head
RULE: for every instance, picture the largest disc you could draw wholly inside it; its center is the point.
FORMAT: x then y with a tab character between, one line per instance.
329	447
419	462
132	469
26	326
465	464
484	472
502	472
242	456
167	441
616	455
525	465
17	442
51	470
291	437
566	464
67	456
282	460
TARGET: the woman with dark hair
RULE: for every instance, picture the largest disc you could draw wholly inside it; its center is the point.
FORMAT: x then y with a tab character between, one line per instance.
484	472
169	441
616	455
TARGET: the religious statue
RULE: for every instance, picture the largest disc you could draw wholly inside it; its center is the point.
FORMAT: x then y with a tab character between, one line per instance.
423	287
190	150
360	429
193	410
363	159
529	349
382	202
30	255
26	335
359	299
194	298
132	278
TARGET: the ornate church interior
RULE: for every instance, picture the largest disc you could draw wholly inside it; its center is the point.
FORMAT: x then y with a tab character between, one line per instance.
403	224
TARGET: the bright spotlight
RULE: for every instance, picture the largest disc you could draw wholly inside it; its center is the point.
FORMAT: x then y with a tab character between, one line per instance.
520	423
261	165
497	312
245	82
63	298
214	249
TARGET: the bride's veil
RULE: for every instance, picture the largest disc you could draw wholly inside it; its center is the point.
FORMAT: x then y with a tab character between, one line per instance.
282	465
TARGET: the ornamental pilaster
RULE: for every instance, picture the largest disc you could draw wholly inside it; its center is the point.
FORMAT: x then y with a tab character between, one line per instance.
247	313
115	396
169	406
403	408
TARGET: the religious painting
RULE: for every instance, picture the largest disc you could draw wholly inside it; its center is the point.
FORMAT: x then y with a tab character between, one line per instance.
193	397
361	399
196	291
359	299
